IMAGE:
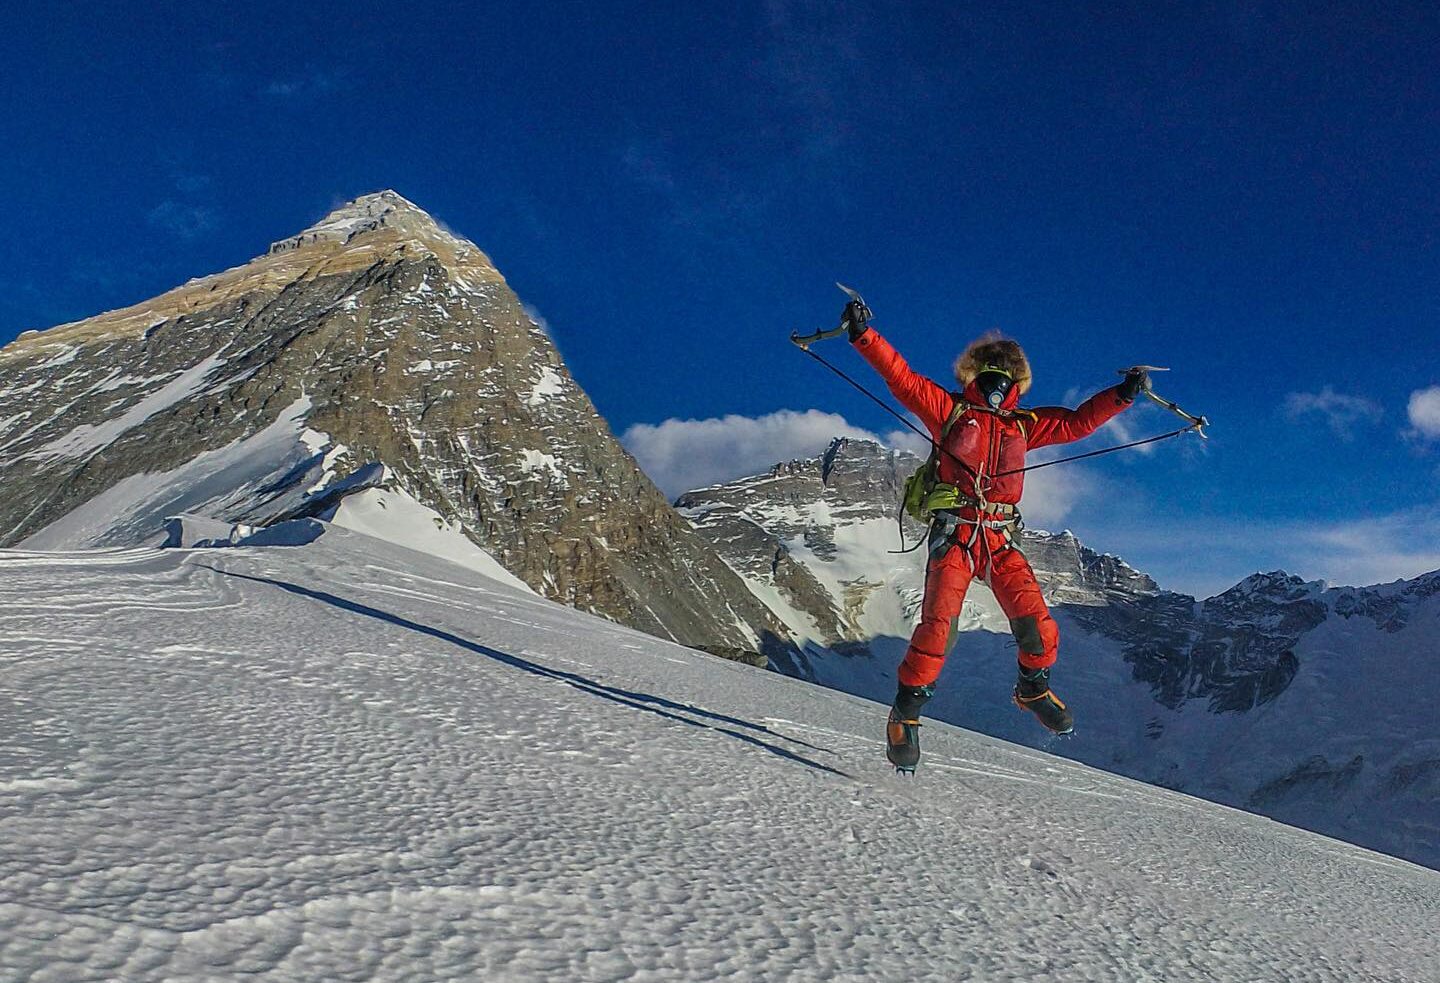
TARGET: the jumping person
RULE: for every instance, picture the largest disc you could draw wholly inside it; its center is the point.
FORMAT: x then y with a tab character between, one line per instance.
981	435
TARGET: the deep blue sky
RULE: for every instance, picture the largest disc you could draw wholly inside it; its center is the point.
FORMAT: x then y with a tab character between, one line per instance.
1246	192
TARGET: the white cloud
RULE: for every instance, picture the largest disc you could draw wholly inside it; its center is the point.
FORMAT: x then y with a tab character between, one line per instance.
1052	495
1375	549
1121	430
1341	413
682	455
1424	410
907	440
1371	551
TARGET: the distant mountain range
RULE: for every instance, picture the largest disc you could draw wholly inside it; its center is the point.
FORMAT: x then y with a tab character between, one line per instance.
376	372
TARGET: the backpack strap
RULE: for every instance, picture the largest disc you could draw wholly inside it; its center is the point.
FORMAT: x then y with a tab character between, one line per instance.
1023	418
928	471
956	412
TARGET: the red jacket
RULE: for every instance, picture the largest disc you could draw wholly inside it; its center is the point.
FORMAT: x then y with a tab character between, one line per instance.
988	443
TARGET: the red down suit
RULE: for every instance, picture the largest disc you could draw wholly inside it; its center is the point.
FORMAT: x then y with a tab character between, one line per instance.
989	443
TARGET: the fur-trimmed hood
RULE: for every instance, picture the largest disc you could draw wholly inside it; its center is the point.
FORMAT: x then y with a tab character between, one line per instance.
995	350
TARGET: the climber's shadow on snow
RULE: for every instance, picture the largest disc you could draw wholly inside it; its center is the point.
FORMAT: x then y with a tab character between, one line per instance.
661	707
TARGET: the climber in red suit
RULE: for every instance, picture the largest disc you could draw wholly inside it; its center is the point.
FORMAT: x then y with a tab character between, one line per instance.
983	435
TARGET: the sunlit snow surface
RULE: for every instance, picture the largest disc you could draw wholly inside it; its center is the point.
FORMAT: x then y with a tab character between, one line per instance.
348	761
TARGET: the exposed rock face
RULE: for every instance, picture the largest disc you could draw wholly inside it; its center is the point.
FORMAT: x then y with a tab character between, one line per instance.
1390	609
778	530
737	655
1313	777
1072	573
373	336
1235	651
819	534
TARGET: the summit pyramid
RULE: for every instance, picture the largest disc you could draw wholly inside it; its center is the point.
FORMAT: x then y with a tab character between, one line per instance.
376	369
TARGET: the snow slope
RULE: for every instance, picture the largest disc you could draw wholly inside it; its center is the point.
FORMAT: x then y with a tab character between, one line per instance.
347	760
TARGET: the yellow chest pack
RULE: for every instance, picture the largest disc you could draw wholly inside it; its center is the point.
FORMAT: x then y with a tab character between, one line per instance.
924	491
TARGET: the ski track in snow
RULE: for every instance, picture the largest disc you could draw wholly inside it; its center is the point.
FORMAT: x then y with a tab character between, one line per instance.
346	761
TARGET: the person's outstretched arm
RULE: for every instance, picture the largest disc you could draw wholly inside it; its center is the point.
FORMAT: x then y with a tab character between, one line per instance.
1058	425
927	400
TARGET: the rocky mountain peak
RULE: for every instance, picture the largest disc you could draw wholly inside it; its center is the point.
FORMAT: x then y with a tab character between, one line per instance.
374	337
386	210
380	228
851	453
1277	585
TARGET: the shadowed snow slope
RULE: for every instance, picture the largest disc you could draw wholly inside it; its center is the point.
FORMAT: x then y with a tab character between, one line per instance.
350	761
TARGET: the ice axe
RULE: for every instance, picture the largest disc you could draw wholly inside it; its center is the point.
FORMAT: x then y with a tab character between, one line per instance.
805	341
1197	423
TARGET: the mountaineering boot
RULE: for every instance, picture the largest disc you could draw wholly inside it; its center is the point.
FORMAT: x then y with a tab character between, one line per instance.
1033	693
902	730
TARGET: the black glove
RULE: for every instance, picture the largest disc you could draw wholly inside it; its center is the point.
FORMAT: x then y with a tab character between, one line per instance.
856	317
1136	382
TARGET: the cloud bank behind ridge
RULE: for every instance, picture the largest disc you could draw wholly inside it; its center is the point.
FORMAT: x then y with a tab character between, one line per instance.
683	455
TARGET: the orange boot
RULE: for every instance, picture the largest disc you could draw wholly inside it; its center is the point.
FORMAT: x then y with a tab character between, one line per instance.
902	730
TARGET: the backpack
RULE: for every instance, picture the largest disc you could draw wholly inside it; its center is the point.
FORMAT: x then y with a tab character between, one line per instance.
924	492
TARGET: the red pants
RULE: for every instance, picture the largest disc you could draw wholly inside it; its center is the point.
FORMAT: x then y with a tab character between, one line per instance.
1013	583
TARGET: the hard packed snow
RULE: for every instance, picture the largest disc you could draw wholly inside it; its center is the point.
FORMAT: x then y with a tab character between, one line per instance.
348	760
395	517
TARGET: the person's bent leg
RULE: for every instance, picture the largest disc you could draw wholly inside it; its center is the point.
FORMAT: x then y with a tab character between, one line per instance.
946	581
1037	638
946	578
1036	635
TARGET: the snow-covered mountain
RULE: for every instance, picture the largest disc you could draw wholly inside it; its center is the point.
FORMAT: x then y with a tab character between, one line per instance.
820	540
375	373
351	761
375	366
1310	704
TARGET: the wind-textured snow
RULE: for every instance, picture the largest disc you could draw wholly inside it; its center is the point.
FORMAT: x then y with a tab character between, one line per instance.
350	761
